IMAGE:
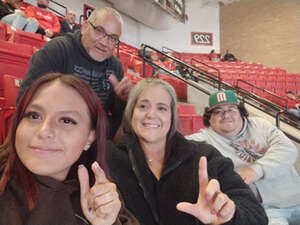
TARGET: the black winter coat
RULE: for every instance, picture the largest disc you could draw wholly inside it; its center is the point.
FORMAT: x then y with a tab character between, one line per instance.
154	201
65	27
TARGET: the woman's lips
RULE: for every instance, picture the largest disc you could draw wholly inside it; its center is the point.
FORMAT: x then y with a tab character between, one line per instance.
45	149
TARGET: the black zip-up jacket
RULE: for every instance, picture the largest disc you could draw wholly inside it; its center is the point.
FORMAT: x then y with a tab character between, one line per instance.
66	54
154	201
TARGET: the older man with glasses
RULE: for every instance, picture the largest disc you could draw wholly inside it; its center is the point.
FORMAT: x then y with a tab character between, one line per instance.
88	53
262	155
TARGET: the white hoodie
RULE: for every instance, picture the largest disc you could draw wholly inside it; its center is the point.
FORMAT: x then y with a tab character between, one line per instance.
264	148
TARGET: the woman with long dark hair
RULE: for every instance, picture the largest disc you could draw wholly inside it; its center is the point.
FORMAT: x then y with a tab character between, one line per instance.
54	150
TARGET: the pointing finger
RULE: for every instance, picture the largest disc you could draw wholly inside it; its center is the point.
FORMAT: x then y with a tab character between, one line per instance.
100	177
113	80
203	176
83	178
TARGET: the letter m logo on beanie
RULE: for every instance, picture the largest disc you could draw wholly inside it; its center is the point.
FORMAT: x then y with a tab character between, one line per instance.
221	97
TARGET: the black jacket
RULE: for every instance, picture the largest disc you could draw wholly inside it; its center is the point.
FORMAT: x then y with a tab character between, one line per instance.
58	203
154	201
65	28
66	54
5	9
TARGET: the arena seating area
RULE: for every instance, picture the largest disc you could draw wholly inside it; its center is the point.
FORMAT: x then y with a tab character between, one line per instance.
16	48
275	80
252	77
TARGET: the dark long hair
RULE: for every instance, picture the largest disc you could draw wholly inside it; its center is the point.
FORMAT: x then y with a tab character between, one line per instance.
207	113
10	164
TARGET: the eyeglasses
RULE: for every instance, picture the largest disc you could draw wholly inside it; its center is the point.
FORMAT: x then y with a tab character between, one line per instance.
219	112
101	33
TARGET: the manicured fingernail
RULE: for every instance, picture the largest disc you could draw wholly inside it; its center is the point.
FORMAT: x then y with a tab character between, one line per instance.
80	166
97	166
213	212
206	198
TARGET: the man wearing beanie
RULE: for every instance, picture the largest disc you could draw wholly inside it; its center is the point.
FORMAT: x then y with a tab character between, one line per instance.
261	153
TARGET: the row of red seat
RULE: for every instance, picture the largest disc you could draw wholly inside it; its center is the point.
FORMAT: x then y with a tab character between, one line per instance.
16	48
9	87
275	80
11	34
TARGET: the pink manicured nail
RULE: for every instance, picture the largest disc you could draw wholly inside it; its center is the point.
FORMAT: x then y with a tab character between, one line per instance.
213	212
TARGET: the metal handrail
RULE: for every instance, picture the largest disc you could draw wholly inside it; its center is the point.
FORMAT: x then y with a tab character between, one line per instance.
194	69
218	71
263	90
171	50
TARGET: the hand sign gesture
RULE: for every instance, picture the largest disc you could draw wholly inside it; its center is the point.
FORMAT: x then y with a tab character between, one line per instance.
100	203
122	87
212	206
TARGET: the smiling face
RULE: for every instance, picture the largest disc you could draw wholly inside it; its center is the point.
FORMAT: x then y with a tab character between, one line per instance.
226	120
151	119
54	131
99	48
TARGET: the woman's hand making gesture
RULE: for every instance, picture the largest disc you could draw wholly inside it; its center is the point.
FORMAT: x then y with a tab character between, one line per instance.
212	206
100	203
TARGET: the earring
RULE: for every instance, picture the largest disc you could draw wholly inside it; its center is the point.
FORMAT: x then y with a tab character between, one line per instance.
86	147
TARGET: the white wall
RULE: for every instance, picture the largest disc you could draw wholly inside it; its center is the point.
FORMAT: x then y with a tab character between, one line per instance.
178	36
76	5
200	19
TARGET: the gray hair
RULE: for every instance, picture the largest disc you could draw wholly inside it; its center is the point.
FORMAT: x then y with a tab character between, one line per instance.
97	13
135	94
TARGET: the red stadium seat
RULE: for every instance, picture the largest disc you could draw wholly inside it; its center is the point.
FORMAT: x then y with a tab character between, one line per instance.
6	115
14	58
3	35
148	70
189	122
198	123
179	86
23	37
125	57
9	87
134	79
186	109
185	124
